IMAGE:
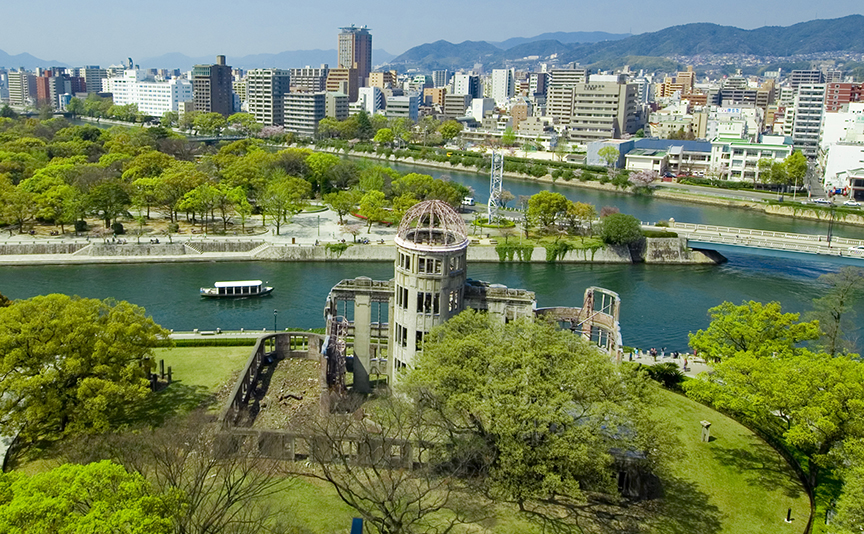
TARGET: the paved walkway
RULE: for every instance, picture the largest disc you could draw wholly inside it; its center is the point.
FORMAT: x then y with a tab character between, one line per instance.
693	367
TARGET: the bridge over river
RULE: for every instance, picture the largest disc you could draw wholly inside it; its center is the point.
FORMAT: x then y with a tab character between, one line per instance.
766	239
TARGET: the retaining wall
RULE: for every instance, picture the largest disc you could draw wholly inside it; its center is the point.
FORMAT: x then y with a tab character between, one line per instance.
41	248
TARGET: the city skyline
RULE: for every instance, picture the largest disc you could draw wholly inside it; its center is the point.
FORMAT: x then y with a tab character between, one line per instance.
120	31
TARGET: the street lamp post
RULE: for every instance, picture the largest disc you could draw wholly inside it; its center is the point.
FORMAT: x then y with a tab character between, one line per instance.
275	312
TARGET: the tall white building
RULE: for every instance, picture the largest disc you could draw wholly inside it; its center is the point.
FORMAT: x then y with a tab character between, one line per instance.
370	99
503	85
467	84
153	97
809	107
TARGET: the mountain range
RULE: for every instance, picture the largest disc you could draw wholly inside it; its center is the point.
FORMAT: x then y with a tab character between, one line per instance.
593	49
842	34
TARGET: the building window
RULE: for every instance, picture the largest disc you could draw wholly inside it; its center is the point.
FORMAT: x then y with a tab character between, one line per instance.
453	301
418	343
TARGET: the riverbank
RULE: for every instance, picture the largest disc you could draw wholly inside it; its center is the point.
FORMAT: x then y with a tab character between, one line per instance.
744	200
657	251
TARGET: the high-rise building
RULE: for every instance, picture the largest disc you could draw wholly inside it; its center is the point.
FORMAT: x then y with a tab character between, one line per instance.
303	112
265	95
809	106
336	106
212	88
93	76
407	107
440	78
503	85
456	105
799	77
22	87
310	80
355	52
343	81
596	110
467	84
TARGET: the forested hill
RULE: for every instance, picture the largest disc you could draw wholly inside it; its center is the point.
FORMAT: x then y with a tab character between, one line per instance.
846	34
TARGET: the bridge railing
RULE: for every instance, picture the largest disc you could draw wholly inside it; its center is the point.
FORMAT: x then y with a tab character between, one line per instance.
730	231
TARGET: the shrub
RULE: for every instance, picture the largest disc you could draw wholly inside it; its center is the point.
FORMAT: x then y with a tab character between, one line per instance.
667	374
80	226
620	229
118	229
173	227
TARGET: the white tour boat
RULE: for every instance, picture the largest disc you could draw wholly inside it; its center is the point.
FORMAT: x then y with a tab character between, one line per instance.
236	289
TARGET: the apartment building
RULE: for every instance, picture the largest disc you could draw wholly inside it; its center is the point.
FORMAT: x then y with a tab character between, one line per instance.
265	95
456	105
595	110
467	84
303	112
403	107
22	87
809	106
343	81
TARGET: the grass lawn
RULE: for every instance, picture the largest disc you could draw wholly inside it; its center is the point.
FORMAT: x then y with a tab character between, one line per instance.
736	483
198	375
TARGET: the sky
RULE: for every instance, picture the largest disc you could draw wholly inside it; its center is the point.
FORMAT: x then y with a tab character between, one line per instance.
105	32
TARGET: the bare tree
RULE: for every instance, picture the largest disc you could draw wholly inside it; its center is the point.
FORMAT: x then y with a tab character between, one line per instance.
226	484
385	465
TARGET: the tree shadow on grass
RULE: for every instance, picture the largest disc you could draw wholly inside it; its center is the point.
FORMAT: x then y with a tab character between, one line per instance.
760	466
683	509
175	399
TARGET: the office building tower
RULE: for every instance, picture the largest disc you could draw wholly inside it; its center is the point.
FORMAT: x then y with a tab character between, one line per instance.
355	52
809	107
212	88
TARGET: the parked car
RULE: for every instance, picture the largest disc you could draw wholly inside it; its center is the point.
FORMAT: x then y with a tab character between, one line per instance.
851	202
858	249
823	201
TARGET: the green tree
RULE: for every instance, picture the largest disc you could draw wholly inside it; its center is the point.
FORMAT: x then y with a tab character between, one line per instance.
753	327
342	202
18	205
170	119
108	201
99	497
609	155
72	365
245	123
450	129
796	167
816	400
835	309
237	197
149	164
850	505
75	106
508	138
210	123
284	197
581	216
4	301
319	164
620	229
200	200
177	180
372	207
384	136
536	409
545	207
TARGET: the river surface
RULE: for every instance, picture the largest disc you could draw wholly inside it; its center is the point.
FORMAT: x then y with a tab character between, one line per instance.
660	304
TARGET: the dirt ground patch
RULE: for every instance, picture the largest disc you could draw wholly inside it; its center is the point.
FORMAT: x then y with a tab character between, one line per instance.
292	397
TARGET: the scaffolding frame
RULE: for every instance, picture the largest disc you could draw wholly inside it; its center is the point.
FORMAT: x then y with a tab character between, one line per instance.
496	186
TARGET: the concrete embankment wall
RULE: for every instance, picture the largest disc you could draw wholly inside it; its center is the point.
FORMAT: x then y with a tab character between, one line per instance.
41	248
213	245
657	251
674	250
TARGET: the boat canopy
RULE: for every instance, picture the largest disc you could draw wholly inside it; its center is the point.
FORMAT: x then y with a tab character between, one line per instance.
242	283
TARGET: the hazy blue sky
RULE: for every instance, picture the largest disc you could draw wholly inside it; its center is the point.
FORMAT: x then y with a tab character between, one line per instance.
99	31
